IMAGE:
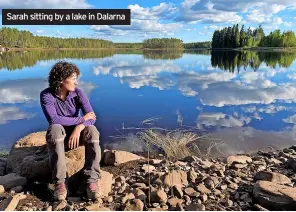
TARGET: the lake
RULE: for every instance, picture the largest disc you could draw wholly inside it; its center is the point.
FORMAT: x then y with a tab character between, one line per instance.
247	98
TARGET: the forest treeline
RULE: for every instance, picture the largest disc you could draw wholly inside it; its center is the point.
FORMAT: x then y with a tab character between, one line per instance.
233	37
12	37
163	43
196	45
228	37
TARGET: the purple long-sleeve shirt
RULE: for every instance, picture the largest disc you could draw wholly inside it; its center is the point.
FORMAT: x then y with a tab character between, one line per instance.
65	112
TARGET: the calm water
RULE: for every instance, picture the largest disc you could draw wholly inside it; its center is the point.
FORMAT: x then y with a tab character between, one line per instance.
245	98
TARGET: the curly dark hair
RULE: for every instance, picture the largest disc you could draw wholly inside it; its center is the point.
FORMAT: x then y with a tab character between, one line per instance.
59	72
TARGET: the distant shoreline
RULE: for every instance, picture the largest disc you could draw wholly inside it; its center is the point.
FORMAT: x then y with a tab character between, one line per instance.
216	49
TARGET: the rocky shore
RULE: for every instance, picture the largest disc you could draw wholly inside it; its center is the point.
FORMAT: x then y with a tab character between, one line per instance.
260	181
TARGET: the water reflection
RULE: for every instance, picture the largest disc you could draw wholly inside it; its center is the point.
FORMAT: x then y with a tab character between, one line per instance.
185	88
225	60
241	60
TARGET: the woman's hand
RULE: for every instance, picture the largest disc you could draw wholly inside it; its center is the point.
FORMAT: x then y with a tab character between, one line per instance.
90	115
74	138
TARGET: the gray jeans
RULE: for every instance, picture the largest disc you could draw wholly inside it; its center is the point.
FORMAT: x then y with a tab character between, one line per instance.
57	138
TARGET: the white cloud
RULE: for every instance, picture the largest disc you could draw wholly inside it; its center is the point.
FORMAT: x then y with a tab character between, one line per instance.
292	76
277	20
40	31
221	120
229	11
271	109
255	16
163	10
257	116
44	4
214	27
288	24
290	120
248	139
233	93
62	35
234	89
250	109
145	22
20	91
139	27
12	113
137	73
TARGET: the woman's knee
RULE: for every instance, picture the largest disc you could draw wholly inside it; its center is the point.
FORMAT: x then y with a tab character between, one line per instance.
91	133
55	132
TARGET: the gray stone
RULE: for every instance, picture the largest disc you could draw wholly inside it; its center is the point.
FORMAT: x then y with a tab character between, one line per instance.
177	191
195	207
275	196
272	177
12	180
174	201
159	196
191	192
202	189
11	203
134	205
116	157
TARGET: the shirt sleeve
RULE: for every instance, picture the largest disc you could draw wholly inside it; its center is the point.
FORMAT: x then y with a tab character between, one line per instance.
86	108
49	110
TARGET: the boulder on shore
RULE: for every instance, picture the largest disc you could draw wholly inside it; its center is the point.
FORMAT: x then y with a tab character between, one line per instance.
116	157
275	196
28	157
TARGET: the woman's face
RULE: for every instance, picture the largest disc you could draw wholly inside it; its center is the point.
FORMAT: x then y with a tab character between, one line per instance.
70	83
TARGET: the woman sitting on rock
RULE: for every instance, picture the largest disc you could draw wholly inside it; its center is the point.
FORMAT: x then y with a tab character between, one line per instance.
61	103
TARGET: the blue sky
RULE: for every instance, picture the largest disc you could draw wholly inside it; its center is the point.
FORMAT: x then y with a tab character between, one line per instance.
189	20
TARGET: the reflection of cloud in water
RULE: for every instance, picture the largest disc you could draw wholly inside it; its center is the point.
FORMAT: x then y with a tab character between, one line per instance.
247	139
233	93
20	91
12	113
119	68
130	143
220	120
216	88
28	90
292	76
269	109
154	81
179	118
290	120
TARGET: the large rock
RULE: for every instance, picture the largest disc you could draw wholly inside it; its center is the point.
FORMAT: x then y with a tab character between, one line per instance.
29	157
12	180
275	196
175	178
134	205
11	203
116	157
76	185
105	183
159	196
272	177
292	164
238	159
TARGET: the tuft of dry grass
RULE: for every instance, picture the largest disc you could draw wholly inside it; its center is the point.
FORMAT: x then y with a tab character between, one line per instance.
173	143
176	144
